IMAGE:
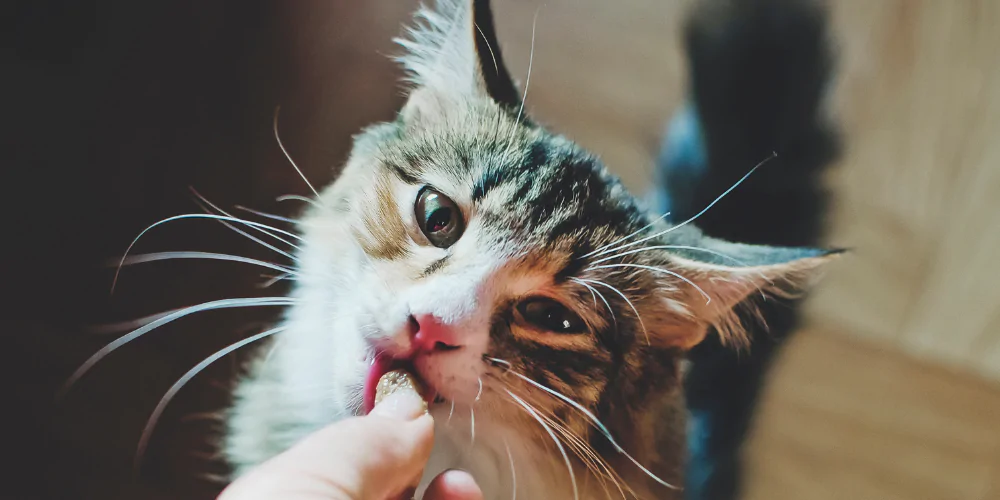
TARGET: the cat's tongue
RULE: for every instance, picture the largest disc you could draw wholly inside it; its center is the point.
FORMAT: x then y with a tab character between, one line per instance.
383	364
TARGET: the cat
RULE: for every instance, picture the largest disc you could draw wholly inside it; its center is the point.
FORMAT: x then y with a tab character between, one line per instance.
759	74
545	309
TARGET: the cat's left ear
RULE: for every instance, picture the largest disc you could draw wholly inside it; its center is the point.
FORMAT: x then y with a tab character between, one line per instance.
452	54
714	277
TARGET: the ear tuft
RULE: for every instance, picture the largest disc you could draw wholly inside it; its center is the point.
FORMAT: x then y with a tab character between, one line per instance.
723	279
452	51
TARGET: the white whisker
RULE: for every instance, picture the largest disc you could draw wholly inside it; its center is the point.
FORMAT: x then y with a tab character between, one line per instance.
192	216
472	421
619	240
129	325
627	301
207	306
562	450
673	247
498	361
708	298
158	256
597	424
480	393
267	215
513	472
601	295
451	412
297	197
147	431
276	279
699	214
281	145
531	60
593	295
204	202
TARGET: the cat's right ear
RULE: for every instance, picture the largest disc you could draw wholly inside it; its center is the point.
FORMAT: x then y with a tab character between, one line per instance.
452	54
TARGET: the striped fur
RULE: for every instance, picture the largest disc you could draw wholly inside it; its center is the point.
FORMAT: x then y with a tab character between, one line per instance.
542	215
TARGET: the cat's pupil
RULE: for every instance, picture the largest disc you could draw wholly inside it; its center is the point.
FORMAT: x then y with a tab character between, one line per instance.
439	219
550	315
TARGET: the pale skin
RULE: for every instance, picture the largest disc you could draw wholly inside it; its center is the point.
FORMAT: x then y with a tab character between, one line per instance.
380	456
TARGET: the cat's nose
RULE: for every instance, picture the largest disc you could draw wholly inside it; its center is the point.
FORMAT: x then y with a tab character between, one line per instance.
429	334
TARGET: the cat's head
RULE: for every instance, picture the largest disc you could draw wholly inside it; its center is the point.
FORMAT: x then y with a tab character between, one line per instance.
469	243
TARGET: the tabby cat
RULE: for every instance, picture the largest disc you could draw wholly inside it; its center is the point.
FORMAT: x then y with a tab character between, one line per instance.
548	313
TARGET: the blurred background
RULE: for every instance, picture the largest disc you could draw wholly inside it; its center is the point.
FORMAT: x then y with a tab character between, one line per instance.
113	109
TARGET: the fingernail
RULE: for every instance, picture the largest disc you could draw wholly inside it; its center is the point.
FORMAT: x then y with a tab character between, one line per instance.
398	395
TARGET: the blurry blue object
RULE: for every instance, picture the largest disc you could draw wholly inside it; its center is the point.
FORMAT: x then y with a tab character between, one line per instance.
758	72
681	164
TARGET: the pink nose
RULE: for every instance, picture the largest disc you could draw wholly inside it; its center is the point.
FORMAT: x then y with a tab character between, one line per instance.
430	334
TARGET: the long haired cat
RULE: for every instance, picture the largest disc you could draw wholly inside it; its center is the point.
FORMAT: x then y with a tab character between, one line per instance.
545	310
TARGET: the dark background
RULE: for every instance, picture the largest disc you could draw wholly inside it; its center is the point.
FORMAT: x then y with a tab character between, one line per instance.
111	110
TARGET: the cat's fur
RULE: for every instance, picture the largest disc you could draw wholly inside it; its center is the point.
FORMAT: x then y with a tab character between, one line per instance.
540	212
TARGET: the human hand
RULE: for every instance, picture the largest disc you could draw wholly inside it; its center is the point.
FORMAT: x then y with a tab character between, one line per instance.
380	456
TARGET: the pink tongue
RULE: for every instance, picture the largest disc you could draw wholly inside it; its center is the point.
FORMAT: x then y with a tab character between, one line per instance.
382	365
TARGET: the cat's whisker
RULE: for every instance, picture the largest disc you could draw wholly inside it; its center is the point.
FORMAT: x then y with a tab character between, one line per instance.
582	450
298	197
708	298
597	423
627	301
129	325
672	247
496	361
558	443
592	294
451	412
205	205
274	279
692	248
181	255
134	334
599	294
699	214
266	215
531	60
623	238
472	424
480	393
595	464
192	216
513	470
496	68
147	431
288	156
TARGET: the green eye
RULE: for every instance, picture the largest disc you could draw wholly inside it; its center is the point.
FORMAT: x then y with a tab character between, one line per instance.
438	217
547	314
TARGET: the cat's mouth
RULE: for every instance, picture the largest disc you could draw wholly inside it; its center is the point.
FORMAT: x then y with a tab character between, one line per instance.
383	363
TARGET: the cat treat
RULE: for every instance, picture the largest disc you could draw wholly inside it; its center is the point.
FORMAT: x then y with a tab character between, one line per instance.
397	380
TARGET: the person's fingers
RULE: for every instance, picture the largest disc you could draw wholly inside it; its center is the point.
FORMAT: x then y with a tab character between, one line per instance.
453	485
374	457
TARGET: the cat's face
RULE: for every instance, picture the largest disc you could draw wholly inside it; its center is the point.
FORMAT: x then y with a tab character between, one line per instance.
485	253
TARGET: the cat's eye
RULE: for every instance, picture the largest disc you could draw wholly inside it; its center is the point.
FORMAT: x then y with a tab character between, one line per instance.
547	314
438	217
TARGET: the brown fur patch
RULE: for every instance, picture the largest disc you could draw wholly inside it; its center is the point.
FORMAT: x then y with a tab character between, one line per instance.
384	233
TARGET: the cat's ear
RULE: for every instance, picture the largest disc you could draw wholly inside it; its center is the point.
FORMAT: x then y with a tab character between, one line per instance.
715	277
452	53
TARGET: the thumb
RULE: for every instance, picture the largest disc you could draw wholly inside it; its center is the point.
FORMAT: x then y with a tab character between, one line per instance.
377	457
